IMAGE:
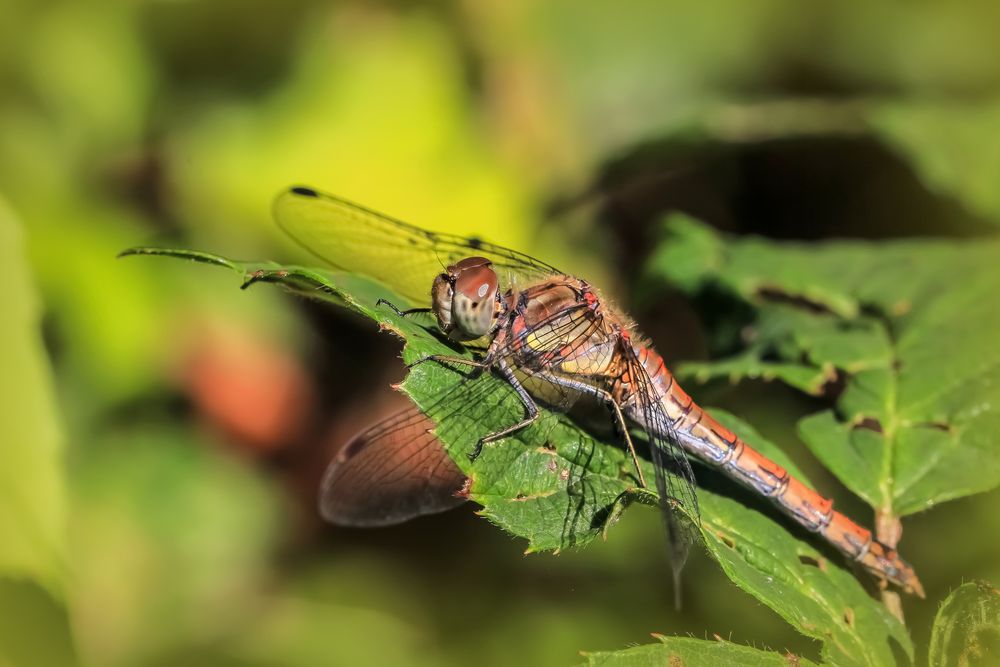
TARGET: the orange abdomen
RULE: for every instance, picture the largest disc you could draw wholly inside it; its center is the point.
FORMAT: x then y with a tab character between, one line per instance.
712	443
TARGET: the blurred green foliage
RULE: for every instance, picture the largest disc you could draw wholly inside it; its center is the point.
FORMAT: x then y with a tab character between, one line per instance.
163	533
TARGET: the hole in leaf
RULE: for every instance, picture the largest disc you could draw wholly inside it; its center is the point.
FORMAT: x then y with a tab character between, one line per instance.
817	562
833	384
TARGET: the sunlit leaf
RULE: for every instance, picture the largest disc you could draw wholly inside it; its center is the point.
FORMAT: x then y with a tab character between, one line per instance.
555	486
31	477
32	485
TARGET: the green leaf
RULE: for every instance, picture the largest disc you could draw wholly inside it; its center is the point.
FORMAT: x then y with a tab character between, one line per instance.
907	326
32	485
555	486
818	597
967	627
692	653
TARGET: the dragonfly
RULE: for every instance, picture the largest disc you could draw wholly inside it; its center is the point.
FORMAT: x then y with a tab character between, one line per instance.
553	338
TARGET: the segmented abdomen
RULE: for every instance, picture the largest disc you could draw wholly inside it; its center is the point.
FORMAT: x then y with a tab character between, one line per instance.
701	435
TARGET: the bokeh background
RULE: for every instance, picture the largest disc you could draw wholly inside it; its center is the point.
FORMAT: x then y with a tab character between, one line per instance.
164	433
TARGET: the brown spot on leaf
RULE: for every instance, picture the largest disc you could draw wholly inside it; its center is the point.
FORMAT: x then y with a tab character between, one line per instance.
793	659
728	541
939	426
676	661
869	423
779	295
849	617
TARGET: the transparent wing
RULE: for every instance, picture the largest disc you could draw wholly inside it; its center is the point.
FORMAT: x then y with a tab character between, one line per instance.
399	469
675	480
572	331
393	472
404	257
574	339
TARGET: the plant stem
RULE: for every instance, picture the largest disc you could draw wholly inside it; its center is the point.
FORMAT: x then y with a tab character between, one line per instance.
888	530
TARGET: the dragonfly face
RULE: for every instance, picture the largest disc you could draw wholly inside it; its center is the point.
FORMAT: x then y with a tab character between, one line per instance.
466	299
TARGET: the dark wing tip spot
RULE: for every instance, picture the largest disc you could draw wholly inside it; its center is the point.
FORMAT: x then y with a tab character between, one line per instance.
304	191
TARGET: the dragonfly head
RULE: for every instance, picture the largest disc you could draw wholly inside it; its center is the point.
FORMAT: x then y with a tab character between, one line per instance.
466	299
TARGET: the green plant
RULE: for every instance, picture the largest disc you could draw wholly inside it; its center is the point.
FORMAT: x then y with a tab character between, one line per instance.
898	435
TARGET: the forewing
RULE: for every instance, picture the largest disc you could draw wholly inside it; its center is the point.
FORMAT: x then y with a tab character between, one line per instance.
398	469
394	471
575	334
404	257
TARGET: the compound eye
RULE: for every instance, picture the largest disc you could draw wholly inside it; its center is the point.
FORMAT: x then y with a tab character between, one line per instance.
477	284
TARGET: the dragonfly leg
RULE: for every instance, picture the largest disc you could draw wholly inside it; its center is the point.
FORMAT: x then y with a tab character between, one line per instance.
401	313
620	418
603	395
478	366
529	405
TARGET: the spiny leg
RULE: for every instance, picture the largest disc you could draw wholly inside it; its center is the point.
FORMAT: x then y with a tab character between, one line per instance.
620	418
478	366
401	313
508	374
603	395
529	405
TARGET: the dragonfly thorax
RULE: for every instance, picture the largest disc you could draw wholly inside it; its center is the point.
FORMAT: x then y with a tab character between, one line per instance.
466	299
